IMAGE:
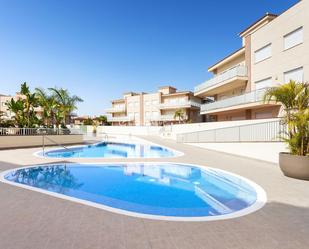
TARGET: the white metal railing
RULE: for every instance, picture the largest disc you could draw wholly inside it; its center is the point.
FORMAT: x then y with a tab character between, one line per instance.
116	109
37	131
120	119
271	131
179	104
246	98
237	71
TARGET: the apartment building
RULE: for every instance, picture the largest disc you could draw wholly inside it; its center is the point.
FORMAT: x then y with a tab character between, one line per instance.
275	50
156	108
6	114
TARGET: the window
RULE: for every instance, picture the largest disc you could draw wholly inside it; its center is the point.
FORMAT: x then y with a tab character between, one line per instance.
294	38
155	102
263	83
263	53
136	104
130	104
155	114
182	100
262	115
295	74
147	102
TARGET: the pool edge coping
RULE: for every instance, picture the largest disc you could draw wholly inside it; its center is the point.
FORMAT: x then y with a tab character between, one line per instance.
261	196
177	153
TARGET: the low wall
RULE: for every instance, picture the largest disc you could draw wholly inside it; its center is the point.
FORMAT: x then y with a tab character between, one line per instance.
261	151
7	142
185	128
130	130
170	130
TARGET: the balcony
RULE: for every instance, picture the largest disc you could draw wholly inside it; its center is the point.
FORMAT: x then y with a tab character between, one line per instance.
118	109
237	76
180	104
165	117
247	98
120	119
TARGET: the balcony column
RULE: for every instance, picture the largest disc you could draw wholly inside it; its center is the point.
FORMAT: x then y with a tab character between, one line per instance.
248	114
248	61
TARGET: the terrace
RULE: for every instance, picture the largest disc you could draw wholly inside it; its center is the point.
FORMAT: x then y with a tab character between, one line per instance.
179	104
120	119
249	99
116	109
232	77
36	220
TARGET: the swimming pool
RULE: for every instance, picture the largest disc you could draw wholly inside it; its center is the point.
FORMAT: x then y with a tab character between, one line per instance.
167	191
111	150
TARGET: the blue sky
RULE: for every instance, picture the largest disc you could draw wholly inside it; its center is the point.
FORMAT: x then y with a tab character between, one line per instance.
100	49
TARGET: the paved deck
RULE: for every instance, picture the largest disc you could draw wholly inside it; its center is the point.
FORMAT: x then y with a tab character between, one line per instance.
33	220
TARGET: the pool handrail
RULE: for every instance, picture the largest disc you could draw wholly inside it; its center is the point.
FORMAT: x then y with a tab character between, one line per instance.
53	141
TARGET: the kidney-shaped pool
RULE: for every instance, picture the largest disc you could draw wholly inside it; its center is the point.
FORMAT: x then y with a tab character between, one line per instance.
166	191
111	150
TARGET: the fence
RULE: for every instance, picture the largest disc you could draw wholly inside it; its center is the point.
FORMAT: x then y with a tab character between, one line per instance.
37	131
261	132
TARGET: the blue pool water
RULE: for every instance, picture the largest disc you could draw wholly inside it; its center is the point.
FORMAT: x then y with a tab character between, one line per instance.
163	189
112	150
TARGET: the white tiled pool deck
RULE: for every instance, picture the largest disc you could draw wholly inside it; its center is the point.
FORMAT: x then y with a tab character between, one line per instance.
30	219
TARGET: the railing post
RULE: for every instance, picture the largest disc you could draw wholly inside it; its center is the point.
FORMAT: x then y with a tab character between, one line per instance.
43	144
238	133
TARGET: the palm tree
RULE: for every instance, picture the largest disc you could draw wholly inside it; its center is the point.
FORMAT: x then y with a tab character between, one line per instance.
102	120
66	103
294	98
30	102
48	104
17	107
179	114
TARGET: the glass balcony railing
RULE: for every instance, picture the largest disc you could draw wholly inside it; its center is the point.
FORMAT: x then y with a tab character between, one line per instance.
116	109
250	97
238	71
165	117
180	104
120	119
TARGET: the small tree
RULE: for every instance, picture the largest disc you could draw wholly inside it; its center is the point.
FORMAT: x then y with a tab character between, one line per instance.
30	102
102	120
17	107
66	103
179	114
88	121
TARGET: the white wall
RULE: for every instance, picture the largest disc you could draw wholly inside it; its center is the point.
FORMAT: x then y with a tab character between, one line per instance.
171	131
184	128
130	130
282	60
262	151
7	142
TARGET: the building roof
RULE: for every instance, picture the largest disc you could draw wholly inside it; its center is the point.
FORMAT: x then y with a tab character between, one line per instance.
227	58
177	93
161	87
132	93
118	100
268	17
81	118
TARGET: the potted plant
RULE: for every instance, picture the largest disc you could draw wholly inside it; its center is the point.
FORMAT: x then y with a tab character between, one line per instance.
294	98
